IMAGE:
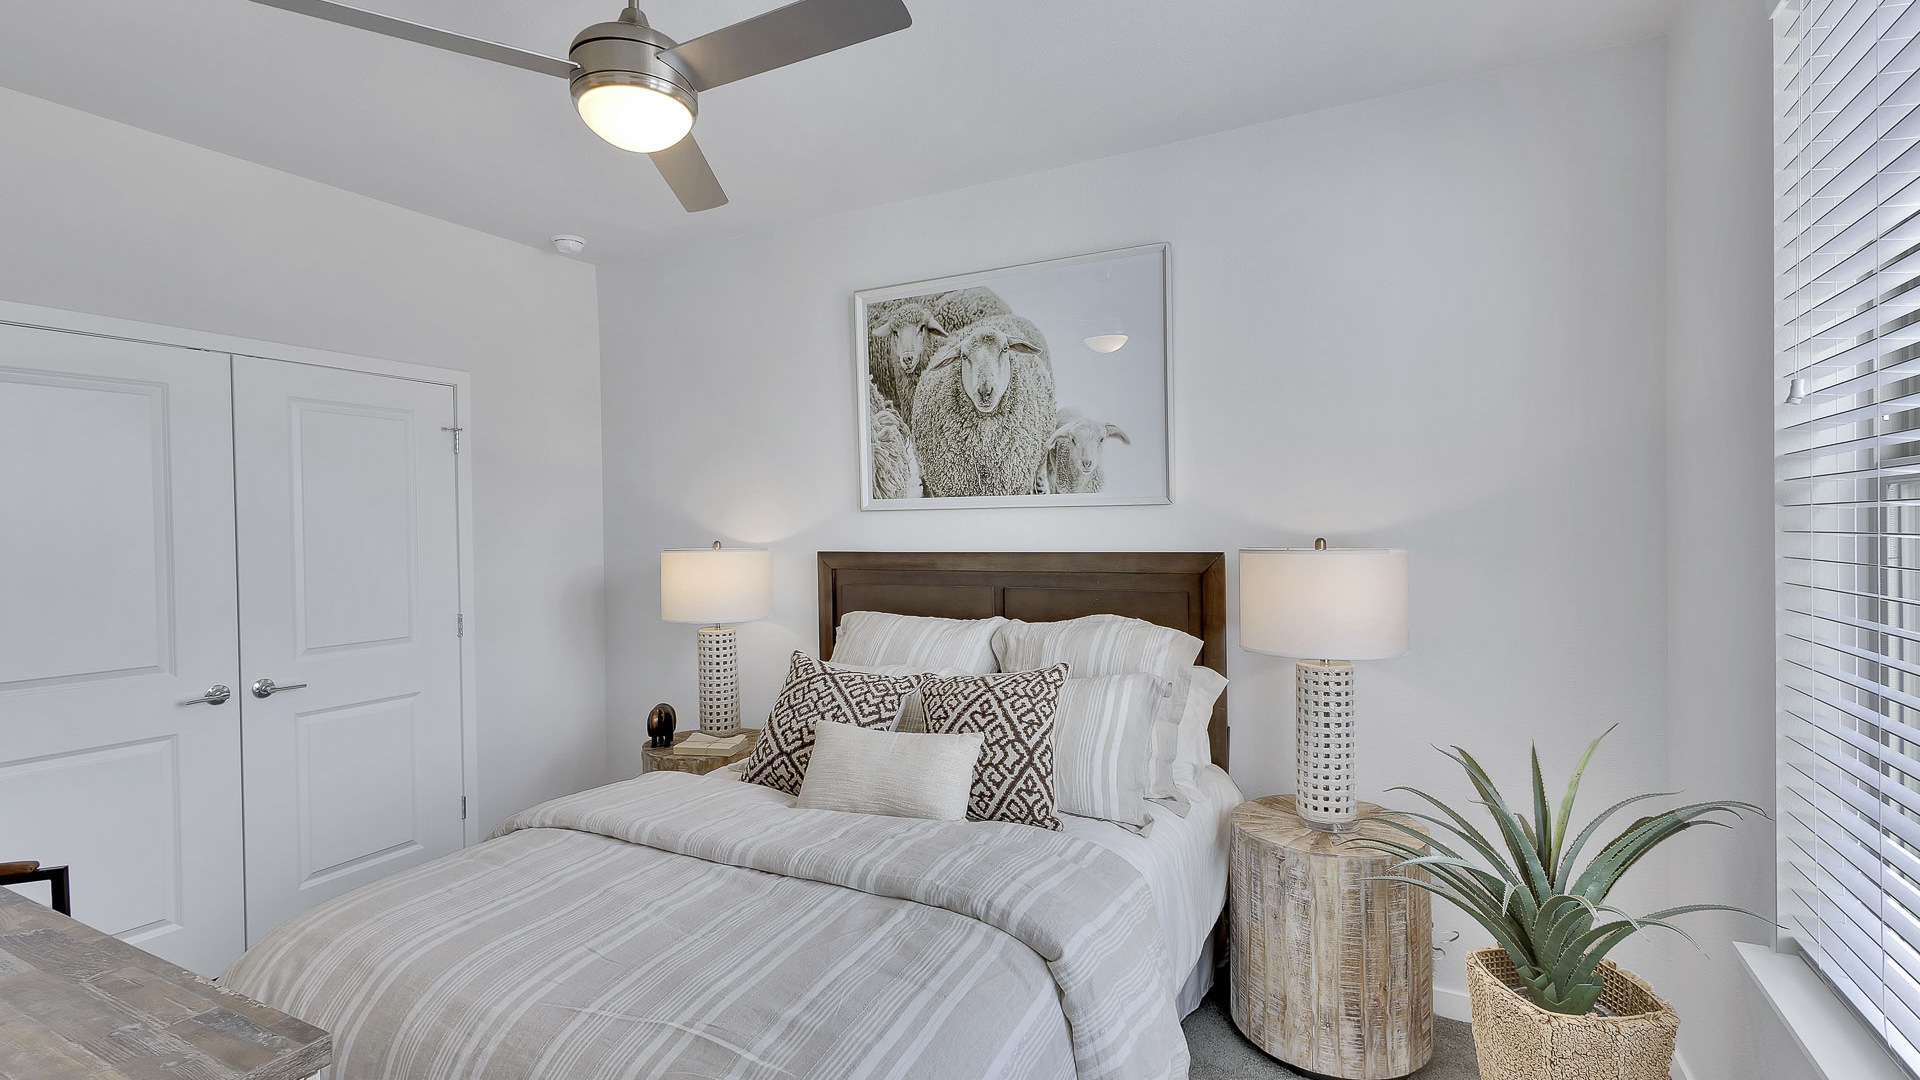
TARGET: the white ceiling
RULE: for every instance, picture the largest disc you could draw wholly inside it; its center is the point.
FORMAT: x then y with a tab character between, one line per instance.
976	90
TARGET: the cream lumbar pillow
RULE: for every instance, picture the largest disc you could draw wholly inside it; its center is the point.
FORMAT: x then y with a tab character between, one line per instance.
892	773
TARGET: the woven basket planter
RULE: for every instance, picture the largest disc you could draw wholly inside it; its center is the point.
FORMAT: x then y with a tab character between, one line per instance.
1518	1040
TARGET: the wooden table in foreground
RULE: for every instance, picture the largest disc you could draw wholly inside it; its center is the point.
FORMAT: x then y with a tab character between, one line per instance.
1332	973
76	1004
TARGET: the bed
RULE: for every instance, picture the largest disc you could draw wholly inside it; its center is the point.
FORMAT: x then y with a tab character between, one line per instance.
699	926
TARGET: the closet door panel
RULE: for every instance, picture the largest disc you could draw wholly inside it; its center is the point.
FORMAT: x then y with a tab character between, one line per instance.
84	466
117	605
349	584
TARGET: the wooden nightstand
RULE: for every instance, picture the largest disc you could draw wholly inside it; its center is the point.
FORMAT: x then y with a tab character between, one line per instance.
670	759
1332	973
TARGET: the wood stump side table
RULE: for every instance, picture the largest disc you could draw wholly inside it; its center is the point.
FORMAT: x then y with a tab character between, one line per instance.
1331	973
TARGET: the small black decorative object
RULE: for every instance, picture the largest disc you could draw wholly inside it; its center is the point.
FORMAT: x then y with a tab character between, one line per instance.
660	724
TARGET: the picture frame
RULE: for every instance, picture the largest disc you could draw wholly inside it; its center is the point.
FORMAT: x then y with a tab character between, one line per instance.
1040	384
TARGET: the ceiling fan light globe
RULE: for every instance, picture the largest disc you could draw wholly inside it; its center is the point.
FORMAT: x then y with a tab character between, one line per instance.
636	118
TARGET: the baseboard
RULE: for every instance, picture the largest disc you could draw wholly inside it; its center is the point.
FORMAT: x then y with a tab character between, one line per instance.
1680	1070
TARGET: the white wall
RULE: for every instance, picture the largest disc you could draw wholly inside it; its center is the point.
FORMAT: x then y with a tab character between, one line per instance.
1434	320
1720	511
103	218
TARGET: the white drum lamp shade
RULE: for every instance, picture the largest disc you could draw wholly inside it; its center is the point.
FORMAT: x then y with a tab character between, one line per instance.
716	587
1327	607
1324	604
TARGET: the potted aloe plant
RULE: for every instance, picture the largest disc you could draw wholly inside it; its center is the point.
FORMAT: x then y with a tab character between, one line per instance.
1547	1003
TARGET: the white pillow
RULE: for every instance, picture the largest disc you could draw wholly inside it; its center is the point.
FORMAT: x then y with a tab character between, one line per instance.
1166	746
1102	743
1195	752
879	638
1097	645
891	773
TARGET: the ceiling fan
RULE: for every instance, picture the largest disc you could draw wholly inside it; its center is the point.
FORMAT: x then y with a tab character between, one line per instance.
639	89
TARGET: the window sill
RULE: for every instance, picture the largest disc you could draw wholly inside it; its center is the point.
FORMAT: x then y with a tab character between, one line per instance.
1839	1046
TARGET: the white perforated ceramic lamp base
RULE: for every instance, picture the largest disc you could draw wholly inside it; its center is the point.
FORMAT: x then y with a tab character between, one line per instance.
719	682
1323	743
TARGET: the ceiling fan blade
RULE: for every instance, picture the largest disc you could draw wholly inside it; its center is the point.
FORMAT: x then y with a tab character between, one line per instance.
425	35
784	36
689	175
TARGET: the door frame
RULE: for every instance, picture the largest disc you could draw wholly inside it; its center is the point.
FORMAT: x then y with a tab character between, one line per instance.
76	322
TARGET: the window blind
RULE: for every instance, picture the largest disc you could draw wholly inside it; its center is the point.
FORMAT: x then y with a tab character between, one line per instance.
1847	88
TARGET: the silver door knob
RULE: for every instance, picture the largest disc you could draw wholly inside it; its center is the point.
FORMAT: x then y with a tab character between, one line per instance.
217	694
265	688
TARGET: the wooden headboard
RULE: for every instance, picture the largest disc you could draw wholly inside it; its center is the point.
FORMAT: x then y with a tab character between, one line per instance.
1182	589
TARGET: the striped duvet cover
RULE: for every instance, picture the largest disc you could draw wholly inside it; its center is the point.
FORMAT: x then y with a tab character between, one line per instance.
676	926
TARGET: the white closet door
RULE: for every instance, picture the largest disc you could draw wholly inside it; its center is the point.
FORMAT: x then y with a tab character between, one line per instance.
349	585
116	606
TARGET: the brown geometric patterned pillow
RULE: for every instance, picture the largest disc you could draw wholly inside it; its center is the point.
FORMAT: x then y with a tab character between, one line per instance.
1013	779
815	692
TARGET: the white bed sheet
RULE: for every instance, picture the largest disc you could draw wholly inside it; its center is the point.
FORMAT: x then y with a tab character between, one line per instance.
1185	863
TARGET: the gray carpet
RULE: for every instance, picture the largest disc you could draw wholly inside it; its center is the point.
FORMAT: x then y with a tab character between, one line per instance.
1220	1052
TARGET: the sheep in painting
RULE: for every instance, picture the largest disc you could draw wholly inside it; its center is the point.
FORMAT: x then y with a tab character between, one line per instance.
896	475
961	308
902	336
984	409
1075	450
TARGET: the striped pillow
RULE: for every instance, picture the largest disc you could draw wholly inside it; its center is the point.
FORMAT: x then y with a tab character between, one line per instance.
1099	645
876	638
1013	780
1102	745
814	693
1096	645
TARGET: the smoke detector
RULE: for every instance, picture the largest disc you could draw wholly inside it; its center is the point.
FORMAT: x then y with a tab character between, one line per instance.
567	243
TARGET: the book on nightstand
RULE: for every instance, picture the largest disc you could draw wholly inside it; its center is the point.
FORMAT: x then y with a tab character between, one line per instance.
699	752
699	742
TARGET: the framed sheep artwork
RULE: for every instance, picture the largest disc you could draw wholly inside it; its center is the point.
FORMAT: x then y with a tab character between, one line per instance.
1047	384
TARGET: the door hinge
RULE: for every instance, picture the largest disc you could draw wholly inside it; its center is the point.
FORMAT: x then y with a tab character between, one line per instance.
456	436
463	808
460	625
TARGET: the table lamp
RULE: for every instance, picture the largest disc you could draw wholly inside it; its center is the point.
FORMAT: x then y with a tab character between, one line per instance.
715	586
1328	606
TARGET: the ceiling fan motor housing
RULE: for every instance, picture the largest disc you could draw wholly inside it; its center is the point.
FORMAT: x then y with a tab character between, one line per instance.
627	52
